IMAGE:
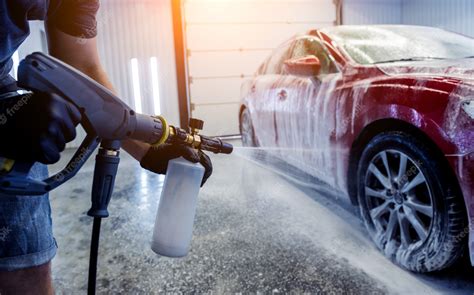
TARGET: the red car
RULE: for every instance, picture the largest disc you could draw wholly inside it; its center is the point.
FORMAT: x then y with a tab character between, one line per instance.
385	115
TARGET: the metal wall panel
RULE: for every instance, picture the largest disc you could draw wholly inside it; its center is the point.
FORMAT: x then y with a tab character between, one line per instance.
258	11
228	40
361	12
453	15
217	116
215	89
221	62
138	29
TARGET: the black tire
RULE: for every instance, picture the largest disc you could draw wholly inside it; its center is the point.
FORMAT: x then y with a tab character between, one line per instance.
396	210
246	129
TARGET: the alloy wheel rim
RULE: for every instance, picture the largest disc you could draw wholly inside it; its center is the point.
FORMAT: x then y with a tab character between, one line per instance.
399	199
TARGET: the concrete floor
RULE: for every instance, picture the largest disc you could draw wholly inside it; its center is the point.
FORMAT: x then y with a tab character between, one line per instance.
254	232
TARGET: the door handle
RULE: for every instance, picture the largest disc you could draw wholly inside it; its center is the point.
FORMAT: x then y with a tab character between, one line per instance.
282	95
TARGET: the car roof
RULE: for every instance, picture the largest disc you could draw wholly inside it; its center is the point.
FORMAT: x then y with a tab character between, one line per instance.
375	35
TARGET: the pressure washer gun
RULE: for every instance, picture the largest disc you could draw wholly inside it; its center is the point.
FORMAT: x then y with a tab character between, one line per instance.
107	122
105	118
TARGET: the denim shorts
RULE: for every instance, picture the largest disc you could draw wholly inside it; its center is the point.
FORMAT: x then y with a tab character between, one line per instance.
26	234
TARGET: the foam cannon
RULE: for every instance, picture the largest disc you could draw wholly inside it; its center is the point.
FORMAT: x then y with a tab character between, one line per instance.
106	119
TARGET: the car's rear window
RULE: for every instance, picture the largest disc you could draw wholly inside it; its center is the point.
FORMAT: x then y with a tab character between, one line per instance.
380	44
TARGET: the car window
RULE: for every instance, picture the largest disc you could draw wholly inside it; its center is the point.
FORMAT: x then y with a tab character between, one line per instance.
312	46
280	55
368	44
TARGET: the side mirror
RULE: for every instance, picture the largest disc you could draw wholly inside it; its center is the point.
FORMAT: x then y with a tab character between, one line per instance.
308	66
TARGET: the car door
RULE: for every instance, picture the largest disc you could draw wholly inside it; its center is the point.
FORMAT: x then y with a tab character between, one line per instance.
264	91
305	112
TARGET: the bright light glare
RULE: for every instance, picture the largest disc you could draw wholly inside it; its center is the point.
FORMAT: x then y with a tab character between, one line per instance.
155	85
16	62
136	85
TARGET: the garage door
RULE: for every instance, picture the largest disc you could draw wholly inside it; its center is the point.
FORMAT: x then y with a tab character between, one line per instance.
227	40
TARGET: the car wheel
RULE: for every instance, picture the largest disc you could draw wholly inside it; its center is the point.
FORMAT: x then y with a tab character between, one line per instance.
411	203
247	130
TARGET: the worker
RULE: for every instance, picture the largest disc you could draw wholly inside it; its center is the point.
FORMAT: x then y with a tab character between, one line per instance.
37	127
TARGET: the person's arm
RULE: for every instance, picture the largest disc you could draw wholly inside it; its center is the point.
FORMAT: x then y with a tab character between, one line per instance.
82	54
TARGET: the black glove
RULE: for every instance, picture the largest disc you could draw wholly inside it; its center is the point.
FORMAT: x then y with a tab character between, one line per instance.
157	158
36	127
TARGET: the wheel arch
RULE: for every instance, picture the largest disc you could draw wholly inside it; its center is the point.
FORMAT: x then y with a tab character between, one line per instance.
369	132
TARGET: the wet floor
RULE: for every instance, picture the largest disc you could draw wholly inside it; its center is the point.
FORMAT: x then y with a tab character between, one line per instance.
255	231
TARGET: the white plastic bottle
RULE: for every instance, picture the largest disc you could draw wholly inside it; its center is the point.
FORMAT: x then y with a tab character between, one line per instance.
175	217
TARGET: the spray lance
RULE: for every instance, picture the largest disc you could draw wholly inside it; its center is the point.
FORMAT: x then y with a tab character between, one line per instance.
107	122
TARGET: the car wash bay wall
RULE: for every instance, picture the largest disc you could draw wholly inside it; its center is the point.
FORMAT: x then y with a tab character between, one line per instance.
453	15
136	47
361	12
228	40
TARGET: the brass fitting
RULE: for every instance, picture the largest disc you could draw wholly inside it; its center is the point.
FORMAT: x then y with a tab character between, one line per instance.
193	140
196	125
6	165
196	141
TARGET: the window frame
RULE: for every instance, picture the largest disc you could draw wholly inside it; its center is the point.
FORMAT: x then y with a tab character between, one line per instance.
325	51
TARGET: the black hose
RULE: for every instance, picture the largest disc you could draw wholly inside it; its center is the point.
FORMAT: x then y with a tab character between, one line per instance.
93	256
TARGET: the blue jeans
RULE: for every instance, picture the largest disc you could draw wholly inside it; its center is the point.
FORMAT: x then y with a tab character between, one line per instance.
26	233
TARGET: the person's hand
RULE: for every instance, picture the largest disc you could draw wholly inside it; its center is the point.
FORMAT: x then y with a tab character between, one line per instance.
157	158
35	127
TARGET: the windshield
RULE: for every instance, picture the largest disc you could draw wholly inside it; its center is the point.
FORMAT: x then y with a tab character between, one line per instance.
381	44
